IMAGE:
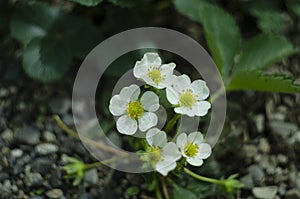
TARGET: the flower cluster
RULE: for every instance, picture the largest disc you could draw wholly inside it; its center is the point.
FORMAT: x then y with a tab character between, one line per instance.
136	111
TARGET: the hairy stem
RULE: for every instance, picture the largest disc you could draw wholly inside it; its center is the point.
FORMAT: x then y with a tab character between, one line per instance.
104	147
202	178
164	188
96	164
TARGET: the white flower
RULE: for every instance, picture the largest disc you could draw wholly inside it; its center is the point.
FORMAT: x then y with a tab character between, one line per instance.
162	155
193	148
188	97
152	72
135	112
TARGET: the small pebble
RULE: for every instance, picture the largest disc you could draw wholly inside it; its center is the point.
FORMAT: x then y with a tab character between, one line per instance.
46	148
249	150
7	135
33	179
256	173
91	176
259	122
49	136
16	153
292	194
28	135
282	159
264	146
267	192
283	129
54	193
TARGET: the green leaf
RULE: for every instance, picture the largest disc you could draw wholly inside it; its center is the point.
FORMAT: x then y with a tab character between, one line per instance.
221	32
257	6
190	8
263	51
46	59
124	3
223	37
293	6
88	2
272	21
80	35
133	191
180	192
255	80
270	17
32	19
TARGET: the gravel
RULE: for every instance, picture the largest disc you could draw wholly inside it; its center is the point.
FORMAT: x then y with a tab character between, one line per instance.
267	192
91	177
256	173
33	179
283	129
16	153
28	135
292	194
42	165
46	148
55	194
48	136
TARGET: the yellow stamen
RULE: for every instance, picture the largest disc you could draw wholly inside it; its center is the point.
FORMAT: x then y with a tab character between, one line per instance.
135	110
191	149
187	98
155	75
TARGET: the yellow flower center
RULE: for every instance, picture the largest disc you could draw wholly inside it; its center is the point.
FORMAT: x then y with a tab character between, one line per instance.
155	75
154	156
135	110
187	98
191	149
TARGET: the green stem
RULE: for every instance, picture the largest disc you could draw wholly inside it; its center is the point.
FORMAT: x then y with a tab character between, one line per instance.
202	178
171	123
217	95
92	165
96	164
158	194
157	191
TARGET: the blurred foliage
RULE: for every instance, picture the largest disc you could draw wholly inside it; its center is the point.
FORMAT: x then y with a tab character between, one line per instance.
223	38
51	38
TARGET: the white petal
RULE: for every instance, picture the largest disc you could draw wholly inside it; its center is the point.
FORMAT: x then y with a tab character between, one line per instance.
200	89
195	137
150	101
172	96
183	82
170	81
147	121
201	108
159	86
126	125
171	152
156	137
184	111
195	161
167	69
181	141
164	167
152	58
117	106
204	151
131	92
140	69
